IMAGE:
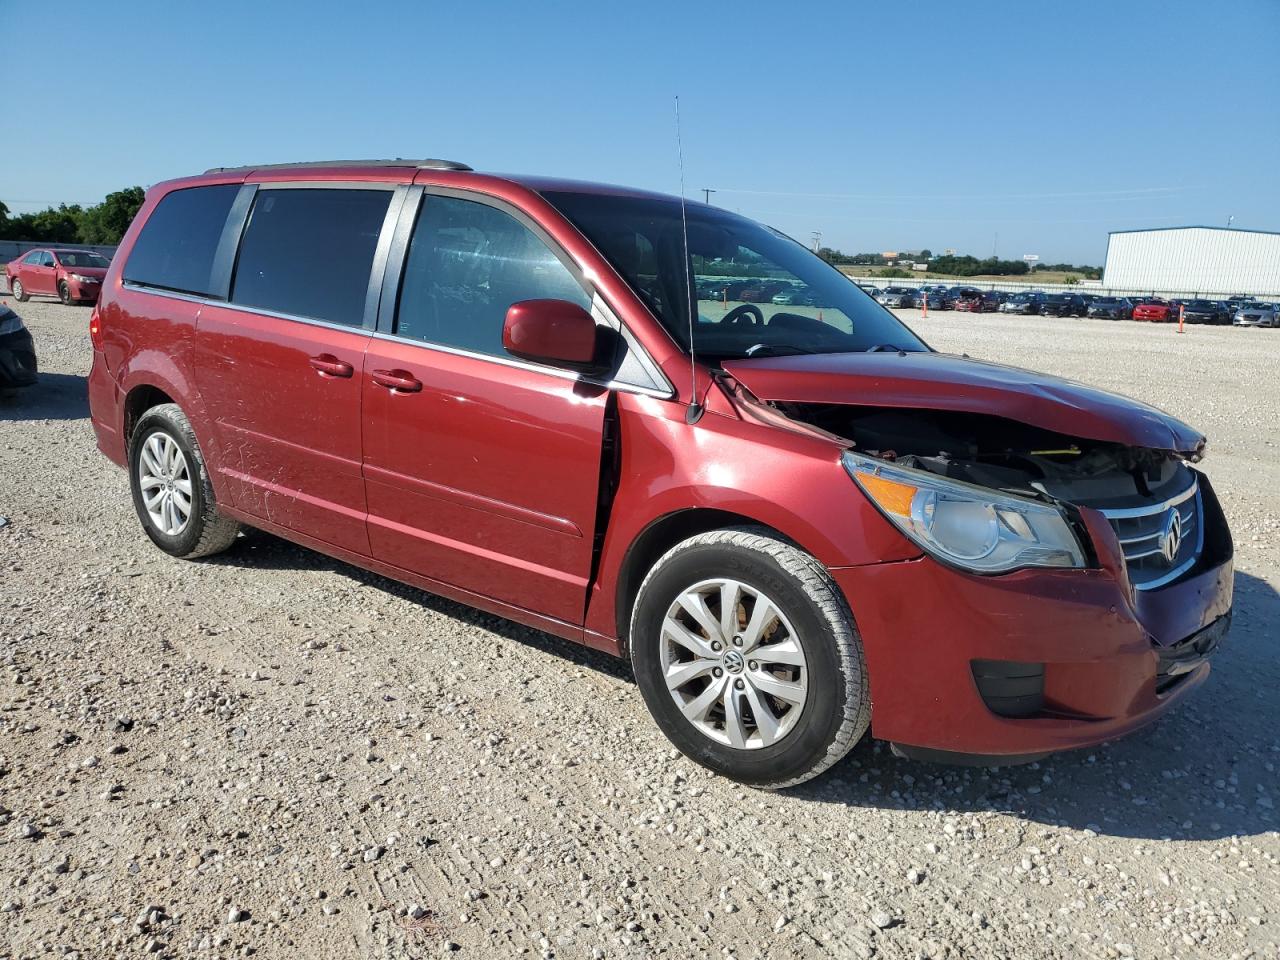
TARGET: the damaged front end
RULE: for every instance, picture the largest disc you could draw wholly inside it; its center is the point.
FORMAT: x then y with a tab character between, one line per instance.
1071	589
1153	500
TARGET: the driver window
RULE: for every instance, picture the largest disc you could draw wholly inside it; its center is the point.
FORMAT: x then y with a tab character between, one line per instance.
46	259
746	289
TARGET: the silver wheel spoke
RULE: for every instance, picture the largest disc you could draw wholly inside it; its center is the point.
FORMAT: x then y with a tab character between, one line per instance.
694	644
763	617
696	606
786	690
149	460
182	503
698	708
766	722
730	596
733	723
681	673
153	502
150	483
183	487
786	652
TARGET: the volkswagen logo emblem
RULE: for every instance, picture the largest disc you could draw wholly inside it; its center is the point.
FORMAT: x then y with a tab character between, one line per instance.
1171	537
733	661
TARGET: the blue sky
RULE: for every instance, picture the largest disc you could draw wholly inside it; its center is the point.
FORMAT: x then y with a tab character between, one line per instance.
1023	127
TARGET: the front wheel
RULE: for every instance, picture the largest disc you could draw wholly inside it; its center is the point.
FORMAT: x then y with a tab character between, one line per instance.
748	658
64	293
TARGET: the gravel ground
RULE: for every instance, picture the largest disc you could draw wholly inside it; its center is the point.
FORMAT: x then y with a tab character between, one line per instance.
271	753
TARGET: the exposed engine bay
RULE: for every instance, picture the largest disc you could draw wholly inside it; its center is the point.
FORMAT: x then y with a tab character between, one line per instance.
1001	454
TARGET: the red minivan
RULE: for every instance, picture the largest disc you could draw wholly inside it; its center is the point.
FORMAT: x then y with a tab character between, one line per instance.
797	522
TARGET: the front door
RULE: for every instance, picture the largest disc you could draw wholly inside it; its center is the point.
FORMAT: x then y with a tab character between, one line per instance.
39	273
480	471
280	366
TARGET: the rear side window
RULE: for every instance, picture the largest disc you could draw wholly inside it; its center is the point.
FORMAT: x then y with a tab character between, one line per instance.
176	247
308	253
467	263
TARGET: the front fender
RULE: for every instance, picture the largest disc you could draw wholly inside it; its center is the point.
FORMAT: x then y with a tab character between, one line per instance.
789	481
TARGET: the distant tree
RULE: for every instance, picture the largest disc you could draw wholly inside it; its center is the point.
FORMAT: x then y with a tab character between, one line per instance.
893	272
926	254
102	223
107	222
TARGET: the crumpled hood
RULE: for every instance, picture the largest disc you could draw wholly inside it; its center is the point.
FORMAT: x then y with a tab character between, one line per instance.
937	381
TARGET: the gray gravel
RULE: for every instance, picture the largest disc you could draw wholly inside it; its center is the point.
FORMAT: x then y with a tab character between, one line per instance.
273	753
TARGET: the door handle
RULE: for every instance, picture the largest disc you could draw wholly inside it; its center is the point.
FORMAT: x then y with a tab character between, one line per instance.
397	381
327	365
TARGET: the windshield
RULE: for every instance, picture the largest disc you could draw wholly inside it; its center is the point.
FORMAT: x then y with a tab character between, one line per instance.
1201	305
82	258
735	268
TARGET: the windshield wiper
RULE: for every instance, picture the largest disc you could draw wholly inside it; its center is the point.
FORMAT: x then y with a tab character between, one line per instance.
770	349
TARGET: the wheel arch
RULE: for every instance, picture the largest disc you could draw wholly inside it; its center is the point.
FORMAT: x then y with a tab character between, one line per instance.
138	401
659	536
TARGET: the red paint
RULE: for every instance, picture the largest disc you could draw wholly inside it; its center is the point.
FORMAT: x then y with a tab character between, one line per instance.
551	331
936	381
1155	311
480	479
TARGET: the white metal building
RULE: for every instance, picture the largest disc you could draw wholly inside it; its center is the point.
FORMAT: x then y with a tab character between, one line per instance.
1205	260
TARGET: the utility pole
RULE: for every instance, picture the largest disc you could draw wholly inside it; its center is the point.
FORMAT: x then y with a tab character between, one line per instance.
706	194
817	241
1230	220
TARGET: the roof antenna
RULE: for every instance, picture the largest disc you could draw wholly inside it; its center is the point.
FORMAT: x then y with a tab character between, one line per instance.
694	412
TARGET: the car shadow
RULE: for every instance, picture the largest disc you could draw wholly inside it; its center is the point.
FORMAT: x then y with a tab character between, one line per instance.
262	550
55	396
1204	771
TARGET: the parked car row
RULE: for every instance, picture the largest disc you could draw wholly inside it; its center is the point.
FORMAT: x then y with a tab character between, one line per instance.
1240	310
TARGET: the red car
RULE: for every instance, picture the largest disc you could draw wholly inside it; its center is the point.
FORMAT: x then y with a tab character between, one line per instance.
976	301
1156	311
73	276
797	523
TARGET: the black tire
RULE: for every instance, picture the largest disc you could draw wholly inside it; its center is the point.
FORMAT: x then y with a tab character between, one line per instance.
837	708
64	293
18	290
207	531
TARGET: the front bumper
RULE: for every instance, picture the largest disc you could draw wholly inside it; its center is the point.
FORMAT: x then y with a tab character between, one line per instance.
84	291
1113	658
18	366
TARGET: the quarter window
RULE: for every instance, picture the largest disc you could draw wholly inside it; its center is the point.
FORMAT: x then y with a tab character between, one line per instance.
176	247
308	253
33	258
467	263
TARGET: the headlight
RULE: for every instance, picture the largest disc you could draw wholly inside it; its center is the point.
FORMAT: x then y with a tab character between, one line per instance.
965	525
78	278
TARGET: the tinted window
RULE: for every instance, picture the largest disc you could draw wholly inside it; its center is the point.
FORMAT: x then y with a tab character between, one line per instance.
176	247
467	263
309	252
33	258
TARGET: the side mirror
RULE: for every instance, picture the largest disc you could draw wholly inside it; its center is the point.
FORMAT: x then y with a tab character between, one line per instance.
554	332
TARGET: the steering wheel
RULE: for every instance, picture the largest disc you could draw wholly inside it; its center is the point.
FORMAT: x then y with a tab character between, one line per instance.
740	313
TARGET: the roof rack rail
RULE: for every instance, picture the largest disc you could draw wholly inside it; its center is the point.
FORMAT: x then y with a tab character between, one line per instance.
315	164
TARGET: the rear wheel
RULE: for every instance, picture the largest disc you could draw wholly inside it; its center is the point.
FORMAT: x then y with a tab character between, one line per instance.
18	290
171	489
748	658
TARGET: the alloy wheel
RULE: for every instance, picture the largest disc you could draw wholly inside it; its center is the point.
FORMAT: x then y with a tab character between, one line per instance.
733	664
165	480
